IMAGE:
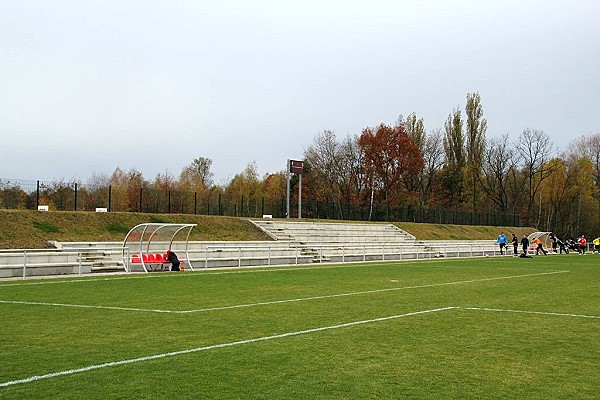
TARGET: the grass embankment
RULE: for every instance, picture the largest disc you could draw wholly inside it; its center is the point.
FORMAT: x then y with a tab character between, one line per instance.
461	232
33	229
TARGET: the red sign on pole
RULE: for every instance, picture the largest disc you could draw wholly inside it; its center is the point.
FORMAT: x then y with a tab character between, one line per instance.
296	167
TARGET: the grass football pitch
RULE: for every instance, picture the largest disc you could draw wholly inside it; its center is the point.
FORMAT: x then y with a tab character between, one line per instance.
462	328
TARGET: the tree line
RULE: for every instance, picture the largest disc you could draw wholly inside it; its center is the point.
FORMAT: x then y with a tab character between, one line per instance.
396	171
457	167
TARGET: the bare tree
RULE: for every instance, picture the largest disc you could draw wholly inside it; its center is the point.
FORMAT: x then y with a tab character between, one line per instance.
533	149
498	161
589	147
334	166
433	153
353	170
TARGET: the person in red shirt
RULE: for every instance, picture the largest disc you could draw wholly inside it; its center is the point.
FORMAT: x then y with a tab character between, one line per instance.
582	244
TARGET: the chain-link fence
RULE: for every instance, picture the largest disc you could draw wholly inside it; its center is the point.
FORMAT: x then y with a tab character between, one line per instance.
74	196
332	210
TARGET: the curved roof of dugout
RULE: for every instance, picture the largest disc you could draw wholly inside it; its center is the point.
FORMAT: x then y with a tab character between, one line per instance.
150	238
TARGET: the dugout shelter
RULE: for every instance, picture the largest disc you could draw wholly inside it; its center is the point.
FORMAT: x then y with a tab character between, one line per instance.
148	244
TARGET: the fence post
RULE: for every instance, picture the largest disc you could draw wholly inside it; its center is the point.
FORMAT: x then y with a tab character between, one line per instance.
37	196
24	264
75	205
128	257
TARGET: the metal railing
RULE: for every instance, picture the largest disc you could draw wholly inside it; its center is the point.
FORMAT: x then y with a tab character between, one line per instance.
23	257
349	253
297	254
268	248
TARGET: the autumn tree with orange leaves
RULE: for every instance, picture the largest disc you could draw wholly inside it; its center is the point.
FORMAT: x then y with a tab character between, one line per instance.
391	160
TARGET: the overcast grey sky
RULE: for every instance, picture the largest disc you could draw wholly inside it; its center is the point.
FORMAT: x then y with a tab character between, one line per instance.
86	86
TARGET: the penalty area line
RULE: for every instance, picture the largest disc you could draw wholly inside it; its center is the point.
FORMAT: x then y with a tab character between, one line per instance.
216	346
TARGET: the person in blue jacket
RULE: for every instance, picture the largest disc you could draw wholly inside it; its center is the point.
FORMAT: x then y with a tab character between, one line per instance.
502	242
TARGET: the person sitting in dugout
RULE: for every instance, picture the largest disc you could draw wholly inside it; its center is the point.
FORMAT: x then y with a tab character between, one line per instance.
172	258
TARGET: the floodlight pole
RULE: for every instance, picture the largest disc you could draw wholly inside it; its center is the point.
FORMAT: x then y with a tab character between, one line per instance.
287	204
300	197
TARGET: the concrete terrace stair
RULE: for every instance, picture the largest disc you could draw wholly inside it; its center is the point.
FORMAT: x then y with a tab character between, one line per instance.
342	242
102	256
306	232
309	233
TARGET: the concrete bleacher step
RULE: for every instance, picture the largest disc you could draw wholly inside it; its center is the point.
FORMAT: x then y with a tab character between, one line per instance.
113	266
328	232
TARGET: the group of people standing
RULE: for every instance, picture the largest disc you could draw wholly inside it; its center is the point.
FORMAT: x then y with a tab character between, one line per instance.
579	246
503	243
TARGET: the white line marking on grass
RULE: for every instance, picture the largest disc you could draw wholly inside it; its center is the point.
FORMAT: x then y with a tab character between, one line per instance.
264	303
197	273
38	303
530	312
216	346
